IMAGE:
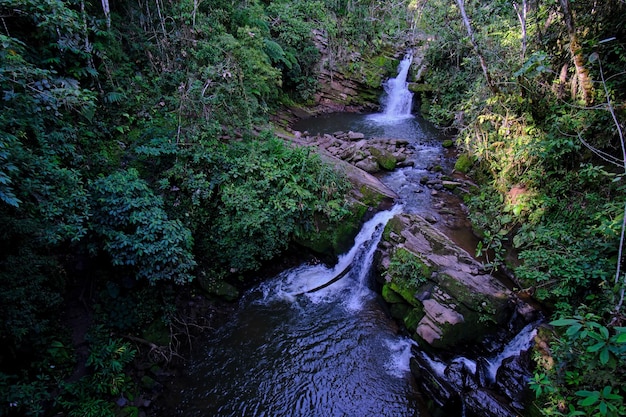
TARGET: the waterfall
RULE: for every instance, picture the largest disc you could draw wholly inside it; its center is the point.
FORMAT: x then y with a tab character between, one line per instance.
313	281
397	100
293	350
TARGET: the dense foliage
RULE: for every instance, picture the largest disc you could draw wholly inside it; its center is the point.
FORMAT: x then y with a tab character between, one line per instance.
536	90
136	157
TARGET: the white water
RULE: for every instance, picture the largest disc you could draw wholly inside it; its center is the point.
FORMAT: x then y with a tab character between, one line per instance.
299	281
397	101
522	341
289	353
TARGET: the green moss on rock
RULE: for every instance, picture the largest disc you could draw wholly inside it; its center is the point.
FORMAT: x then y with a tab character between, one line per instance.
399	311
217	287
390	296
413	318
463	163
336	238
383	158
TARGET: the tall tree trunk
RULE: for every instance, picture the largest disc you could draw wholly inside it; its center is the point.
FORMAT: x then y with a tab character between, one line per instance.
107	12
481	58
584	81
521	15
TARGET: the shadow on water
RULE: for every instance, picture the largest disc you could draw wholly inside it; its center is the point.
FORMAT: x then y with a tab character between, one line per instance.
334	352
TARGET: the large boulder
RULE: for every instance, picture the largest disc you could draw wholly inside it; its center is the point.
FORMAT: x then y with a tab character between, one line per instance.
446	297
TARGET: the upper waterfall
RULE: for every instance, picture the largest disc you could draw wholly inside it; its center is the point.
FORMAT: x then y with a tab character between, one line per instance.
397	100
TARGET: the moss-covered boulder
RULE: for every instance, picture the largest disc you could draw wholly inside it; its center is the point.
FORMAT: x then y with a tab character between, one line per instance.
445	296
464	163
385	159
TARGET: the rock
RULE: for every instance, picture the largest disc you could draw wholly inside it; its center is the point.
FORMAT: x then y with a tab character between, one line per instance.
448	143
430	218
368	164
465	302
463	163
431	383
512	378
450	185
355	136
383	158
486	403
217	287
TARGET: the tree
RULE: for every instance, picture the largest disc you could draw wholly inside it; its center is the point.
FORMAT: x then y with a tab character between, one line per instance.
136	231
584	81
470	33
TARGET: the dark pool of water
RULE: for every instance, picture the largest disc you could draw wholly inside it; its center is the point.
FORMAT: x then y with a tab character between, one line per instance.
335	352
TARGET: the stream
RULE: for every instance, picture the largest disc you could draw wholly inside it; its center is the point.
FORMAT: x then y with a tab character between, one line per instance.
335	351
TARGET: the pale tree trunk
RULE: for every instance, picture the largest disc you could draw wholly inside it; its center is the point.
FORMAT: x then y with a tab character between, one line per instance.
521	15
107	12
481	58
582	74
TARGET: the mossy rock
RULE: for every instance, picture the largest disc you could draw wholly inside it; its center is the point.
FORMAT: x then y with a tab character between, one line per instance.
390	296
407	269
489	308
421	87
217	287
384	158
399	311
130	411
413	318
406	291
148	383
394	225
448	143
335	239
464	163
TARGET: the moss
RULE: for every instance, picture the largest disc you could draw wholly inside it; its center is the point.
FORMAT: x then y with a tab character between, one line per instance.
390	296
383	158
130	411
406	291
407	269
421	87
448	143
369	197
335	238
375	69
399	311
482	309
413	318
217	287
463	163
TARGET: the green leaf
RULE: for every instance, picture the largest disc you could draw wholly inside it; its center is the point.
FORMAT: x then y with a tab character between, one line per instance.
590	397
596	347
604	356
574	329
564	322
605	332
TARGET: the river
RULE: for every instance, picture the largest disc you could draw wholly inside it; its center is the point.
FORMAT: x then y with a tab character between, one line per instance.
336	351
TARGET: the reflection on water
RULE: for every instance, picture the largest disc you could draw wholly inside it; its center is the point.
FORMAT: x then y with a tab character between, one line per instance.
335	352
321	354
